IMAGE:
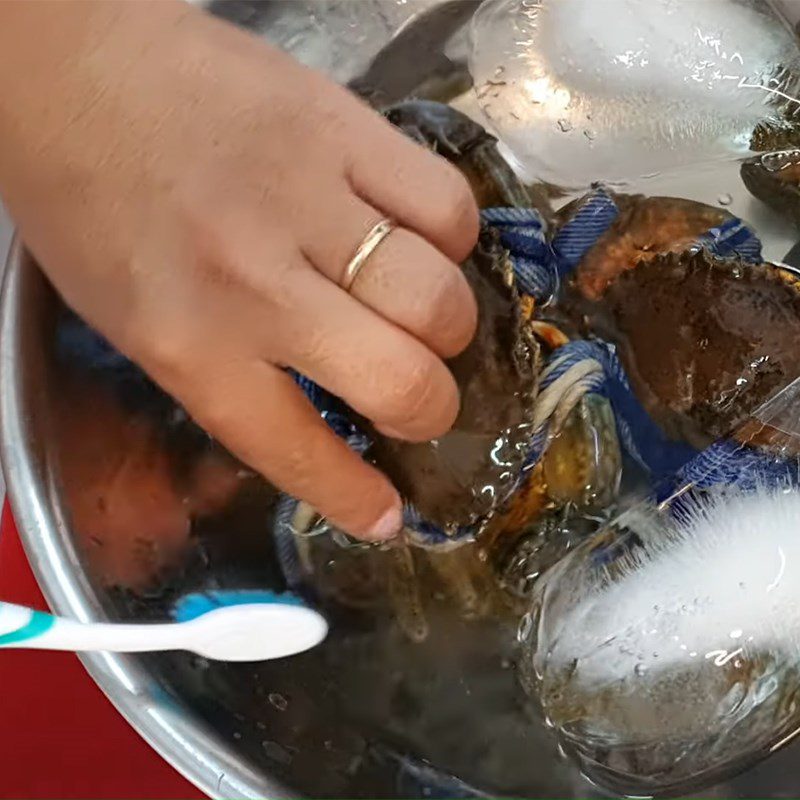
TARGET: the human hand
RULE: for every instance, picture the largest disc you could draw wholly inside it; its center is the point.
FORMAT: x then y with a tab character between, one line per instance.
196	196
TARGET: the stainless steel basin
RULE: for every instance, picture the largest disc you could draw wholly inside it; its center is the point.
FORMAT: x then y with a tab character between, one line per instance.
297	727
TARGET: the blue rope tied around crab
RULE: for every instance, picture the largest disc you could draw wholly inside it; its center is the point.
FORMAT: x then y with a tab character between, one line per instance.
729	463
642	439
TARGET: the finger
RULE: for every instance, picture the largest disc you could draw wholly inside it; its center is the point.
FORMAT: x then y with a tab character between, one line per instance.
416	188
261	416
378	369
405	279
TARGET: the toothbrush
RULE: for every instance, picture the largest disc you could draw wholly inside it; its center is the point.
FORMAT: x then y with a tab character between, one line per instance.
223	626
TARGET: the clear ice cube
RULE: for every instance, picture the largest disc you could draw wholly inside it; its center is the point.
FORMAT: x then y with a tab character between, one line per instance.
665	650
614	90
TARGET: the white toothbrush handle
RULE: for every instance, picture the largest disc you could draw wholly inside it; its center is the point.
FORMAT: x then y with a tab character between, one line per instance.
24	627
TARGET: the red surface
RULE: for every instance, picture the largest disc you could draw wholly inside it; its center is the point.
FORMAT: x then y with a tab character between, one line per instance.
60	738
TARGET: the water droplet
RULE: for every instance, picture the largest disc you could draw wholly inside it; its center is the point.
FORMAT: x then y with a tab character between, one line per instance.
640	670
525	628
279	701
589	134
276	752
237	735
565	126
736	633
725	199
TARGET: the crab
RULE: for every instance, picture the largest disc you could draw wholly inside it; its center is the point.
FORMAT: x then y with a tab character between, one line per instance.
645	228
460	478
773	175
474	477
774	178
704	339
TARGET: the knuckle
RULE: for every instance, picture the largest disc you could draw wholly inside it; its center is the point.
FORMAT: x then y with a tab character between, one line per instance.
449	317
459	211
312	346
418	402
414	391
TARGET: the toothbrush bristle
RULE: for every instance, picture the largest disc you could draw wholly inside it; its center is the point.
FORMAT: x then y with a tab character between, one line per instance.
191	606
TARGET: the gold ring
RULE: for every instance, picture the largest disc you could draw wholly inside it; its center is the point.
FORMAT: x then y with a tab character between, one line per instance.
367	247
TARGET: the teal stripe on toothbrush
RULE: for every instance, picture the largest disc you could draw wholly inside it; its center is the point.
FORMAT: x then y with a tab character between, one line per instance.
35	626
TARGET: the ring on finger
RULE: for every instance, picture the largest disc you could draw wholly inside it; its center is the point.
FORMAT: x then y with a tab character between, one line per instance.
368	245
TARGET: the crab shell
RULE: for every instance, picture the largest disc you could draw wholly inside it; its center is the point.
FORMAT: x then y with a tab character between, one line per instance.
470	148
462	477
644	228
704	340
774	178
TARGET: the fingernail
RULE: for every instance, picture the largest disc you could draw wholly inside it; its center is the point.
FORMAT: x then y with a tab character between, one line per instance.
388	526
